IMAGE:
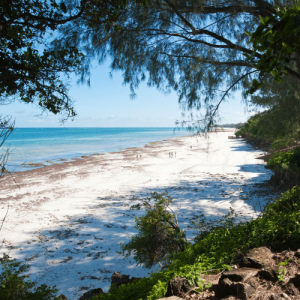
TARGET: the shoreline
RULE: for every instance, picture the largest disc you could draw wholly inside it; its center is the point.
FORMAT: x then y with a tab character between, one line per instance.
15	165
67	219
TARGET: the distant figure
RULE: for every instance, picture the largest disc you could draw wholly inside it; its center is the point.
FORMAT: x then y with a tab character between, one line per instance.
140	156
170	154
191	147
175	154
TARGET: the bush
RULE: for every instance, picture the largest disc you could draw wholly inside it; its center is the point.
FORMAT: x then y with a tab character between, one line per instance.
159	234
278	226
286	161
15	286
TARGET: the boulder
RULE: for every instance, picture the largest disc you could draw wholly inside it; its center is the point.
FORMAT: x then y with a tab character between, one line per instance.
237	289
268	274
89	294
171	298
178	287
62	297
241	274
119	279
258	258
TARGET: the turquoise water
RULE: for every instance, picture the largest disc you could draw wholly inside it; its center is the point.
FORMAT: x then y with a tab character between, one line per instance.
49	145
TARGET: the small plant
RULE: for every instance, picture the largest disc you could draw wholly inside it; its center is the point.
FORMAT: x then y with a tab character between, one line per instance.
282	270
15	286
159	234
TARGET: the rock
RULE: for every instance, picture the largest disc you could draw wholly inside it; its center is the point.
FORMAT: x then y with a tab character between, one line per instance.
119	279
243	290
213	279
171	298
268	274
241	274
295	280
258	258
290	289
297	254
223	289
89	294
62	297
236	289
178	287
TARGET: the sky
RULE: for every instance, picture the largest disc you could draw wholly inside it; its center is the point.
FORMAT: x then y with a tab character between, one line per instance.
107	103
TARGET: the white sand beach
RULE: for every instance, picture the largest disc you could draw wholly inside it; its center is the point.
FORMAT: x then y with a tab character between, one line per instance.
66	220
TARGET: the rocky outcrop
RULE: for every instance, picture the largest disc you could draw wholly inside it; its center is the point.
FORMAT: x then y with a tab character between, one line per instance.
255	276
91	293
119	279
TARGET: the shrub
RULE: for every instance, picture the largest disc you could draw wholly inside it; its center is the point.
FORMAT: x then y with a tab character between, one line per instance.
15	286
278	226
286	161
159	234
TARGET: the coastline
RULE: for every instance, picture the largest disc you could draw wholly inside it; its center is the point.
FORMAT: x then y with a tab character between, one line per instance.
67	219
39	147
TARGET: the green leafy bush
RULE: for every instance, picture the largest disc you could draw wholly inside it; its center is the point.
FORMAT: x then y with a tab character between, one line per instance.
15	286
159	234
286	161
279	225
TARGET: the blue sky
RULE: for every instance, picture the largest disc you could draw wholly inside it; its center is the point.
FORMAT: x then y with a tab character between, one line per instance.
107	103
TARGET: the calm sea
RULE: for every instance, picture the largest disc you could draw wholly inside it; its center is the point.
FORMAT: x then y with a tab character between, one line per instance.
31	146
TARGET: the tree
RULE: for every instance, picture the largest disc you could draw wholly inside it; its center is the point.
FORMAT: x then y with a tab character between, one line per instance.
277	41
159	235
30	70
27	72
196	48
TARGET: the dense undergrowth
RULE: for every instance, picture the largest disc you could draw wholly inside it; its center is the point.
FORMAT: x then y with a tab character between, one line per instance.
260	128
277	227
283	145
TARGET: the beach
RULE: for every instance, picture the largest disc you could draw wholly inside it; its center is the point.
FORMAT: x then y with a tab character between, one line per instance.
67	220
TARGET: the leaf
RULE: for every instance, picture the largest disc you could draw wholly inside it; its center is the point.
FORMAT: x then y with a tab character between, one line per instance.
278	79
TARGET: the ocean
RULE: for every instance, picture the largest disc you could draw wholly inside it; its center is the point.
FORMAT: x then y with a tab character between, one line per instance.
34	147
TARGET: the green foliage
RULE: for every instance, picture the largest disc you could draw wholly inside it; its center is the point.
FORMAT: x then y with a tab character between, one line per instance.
286	161
15	286
27	72
159	234
276	39
282	270
278	225
273	128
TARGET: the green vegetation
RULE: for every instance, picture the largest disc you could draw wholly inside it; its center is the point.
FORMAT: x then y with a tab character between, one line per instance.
263	127
276	40
15	286
159	233
278	225
286	161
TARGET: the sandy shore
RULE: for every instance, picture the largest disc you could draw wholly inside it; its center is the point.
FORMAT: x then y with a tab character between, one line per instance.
66	220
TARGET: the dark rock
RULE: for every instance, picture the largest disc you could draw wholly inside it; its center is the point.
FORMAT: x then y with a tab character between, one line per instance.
223	289
178	287
241	274
62	297
236	289
119	279
89	294
295	280
297	254
268	274
242	290
290	289
258	258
